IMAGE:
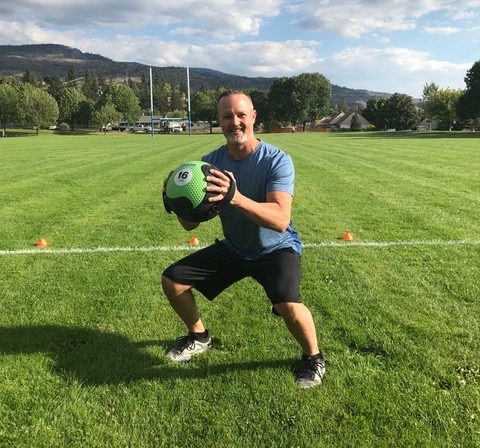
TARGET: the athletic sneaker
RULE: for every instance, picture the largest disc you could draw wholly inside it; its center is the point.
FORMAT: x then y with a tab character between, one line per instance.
188	346
310	372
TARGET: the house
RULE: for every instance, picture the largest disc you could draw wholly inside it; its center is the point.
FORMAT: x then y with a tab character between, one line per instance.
335	121
343	121
427	125
346	122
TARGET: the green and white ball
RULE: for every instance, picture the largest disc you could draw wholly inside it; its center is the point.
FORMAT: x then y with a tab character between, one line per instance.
186	192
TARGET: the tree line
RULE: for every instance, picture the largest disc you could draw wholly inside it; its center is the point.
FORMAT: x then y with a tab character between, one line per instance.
448	108
295	100
87	101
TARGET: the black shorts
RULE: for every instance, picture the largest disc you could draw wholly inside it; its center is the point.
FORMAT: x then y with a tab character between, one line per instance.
215	268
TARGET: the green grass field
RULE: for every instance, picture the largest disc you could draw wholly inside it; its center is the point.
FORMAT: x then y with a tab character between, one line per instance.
84	325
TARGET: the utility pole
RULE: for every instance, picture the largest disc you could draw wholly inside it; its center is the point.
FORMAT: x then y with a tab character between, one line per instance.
151	102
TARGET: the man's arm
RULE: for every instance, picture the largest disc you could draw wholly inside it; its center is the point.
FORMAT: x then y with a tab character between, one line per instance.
273	214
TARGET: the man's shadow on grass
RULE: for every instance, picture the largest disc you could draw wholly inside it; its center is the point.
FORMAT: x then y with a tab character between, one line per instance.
95	357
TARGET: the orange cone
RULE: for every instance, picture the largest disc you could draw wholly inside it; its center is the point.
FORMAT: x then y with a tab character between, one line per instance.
193	241
347	236
41	243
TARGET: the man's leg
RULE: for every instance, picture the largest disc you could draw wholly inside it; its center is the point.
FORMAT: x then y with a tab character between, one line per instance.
300	323
198	339
183	302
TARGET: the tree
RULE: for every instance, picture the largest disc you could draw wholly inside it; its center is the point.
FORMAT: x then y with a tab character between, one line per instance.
440	105
36	107
162	92
144	92
312	96
69	105
90	86
8	105
281	101
374	112
124	100
29	78
177	100
102	84
71	77
355	123
469	103
204	106
302	98
55	86
135	86
260	102
429	90
105	115
83	115
400	112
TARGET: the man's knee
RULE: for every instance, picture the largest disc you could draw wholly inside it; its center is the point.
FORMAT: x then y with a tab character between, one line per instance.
288	309
173	289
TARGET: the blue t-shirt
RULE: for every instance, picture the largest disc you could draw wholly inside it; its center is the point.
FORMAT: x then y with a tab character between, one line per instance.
265	170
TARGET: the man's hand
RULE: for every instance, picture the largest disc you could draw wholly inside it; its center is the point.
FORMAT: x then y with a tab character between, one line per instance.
224	185
164	193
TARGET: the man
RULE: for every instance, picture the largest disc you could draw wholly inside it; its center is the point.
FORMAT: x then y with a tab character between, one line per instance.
260	241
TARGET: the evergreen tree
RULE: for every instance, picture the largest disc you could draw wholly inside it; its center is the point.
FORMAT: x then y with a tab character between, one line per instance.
55	86
355	123
90	86
71	77
144	92
177	100
29	78
468	106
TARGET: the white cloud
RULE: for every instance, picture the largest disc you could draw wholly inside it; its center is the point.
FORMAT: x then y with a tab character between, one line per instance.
17	33
447	30
265	58
352	18
355	18
392	69
226	18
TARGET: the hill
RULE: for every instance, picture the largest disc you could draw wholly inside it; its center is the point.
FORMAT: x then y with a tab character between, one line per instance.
46	60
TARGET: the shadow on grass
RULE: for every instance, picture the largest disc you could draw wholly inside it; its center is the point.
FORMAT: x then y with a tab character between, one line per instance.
408	134
95	357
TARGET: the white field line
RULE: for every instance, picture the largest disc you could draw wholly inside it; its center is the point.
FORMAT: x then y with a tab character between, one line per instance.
319	245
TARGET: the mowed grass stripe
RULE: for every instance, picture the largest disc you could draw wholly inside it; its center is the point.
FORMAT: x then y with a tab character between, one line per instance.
388	190
80	187
404	159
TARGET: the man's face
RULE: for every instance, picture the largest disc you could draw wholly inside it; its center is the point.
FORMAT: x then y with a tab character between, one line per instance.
236	117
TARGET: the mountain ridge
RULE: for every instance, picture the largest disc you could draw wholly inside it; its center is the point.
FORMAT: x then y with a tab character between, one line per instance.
46	60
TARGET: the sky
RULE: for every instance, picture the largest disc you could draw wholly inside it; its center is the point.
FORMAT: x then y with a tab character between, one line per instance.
382	46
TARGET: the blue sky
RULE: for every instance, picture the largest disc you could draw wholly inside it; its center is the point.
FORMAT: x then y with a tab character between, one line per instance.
393	46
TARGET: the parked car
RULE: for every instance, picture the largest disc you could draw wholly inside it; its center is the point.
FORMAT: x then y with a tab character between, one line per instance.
139	128
122	126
